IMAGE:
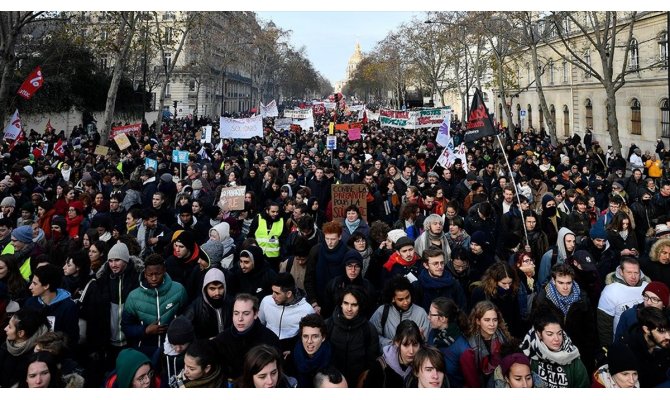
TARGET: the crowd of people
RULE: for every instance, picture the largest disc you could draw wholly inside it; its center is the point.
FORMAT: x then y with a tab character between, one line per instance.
554	272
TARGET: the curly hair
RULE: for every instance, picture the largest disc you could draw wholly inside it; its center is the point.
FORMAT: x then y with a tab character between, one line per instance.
478	312
496	273
657	247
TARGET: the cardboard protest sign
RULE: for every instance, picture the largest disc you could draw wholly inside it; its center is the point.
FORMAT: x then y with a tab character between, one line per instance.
232	198
345	195
122	141
101	150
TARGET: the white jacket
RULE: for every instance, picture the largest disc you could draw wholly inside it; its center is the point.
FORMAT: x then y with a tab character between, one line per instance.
283	320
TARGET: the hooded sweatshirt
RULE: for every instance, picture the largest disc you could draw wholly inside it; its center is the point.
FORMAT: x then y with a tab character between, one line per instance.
284	319
208	318
127	364
544	273
220	252
62	312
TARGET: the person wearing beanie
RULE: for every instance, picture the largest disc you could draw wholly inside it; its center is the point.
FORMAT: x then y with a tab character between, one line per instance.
282	310
186	221
620	370
220	247
23	247
480	253
655	294
512	367
403	261
353	266
133	370
187	262
150	307
114	281
180	335
602	255
254	275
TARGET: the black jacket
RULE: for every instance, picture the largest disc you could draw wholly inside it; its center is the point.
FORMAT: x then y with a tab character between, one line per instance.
232	346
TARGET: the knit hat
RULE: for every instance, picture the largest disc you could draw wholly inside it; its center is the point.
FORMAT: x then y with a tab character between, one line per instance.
659	289
60	221
186	238
180	331
127	363
511	359
167	178
598	232
546	199
396	234
481	238
214	250
403	242
23	233
620	358
196	184
353	256
8	202
119	252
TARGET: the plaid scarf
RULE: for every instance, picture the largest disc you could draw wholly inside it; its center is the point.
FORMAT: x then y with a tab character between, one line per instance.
563	302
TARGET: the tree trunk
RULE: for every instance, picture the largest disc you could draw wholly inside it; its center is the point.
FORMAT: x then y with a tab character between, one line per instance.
126	33
612	120
543	101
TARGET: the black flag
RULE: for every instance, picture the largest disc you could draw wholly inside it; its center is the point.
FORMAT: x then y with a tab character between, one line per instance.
479	123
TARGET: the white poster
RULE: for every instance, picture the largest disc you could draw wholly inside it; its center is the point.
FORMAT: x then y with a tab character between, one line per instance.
269	110
206	134
241	128
306	123
298	114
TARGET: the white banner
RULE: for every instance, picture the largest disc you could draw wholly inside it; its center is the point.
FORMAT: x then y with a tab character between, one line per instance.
206	134
329	105
359	107
241	128
372	116
283	124
305	123
13	129
443	135
269	110
298	114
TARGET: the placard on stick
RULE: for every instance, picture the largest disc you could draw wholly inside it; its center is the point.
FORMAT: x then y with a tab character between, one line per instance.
101	150
345	195
232	198
122	141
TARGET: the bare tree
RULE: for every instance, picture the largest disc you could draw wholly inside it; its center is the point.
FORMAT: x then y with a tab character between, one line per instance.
607	33
127	23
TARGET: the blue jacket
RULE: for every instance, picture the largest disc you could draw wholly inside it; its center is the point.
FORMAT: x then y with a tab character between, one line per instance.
429	288
62	312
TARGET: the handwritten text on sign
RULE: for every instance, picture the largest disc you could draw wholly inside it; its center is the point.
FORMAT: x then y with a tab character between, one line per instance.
232	198
345	195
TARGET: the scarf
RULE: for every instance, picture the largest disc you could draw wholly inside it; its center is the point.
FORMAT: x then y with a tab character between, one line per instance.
352	226
397	259
19	348
213	380
535	349
366	259
457	241
329	264
307	366
446	337
563	302
487	362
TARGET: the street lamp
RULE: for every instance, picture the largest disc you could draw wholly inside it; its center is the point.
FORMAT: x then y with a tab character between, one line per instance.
467	69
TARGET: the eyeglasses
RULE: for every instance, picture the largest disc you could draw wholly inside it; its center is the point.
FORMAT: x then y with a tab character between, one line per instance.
146	377
652	300
528	261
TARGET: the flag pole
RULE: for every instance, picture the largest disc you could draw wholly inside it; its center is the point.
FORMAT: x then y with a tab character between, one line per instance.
516	190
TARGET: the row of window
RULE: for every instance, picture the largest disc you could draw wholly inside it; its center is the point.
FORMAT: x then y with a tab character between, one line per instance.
633	60
635	116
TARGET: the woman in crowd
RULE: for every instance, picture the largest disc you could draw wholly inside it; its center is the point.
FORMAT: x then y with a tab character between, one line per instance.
621	236
90	236
201	369
456	235
447	323
97	255
553	356
76	273
486	333
11	276
133	370
22	332
262	369
354	223
361	244
408	221
41	371
620	370
394	367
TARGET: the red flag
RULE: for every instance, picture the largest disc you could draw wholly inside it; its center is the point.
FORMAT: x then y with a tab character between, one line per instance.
18	140
365	117
32	84
58	148
49	128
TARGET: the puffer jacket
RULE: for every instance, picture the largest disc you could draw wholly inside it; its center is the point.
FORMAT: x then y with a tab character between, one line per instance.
208	321
146	305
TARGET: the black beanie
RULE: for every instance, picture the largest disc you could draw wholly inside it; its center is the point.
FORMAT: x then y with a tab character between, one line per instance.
180	331
187	239
621	358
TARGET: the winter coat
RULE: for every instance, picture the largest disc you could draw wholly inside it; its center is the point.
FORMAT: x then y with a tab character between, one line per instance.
232	345
428	288
387	372
62	312
395	316
208	321
146	305
355	344
284	319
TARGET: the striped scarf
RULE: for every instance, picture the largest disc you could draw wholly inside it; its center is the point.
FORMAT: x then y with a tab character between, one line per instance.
563	302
